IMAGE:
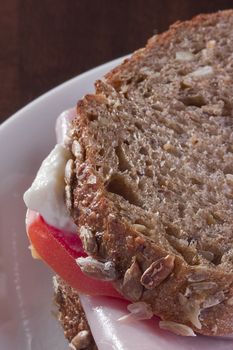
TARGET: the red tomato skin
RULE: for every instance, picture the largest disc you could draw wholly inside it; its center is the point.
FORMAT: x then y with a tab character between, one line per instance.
54	248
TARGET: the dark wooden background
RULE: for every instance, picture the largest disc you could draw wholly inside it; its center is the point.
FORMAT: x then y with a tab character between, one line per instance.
43	43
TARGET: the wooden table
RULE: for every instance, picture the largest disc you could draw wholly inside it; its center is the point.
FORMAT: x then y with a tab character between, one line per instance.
44	43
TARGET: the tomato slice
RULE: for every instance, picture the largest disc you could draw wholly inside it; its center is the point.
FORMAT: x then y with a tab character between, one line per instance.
59	250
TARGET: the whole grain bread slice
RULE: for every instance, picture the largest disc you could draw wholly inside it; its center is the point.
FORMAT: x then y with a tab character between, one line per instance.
72	316
151	183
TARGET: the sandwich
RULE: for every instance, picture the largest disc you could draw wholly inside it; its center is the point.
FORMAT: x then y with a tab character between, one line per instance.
136	200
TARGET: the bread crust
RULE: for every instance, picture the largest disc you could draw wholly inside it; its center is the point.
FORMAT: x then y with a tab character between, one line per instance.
71	314
122	243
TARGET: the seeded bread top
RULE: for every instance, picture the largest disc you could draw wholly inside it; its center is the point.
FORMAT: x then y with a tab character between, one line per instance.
154	173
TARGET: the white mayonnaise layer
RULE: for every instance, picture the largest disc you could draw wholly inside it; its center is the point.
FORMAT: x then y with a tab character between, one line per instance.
47	192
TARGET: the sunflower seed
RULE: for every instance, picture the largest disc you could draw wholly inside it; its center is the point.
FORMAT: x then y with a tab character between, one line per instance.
69	171
81	341
77	150
213	300
207	255
191	309
68	197
177	328
198	274
199	286
139	311
131	287
157	272
202	71
139	227
88	240
184	56
97	269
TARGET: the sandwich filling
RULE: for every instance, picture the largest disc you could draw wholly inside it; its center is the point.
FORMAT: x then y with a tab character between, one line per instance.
46	194
51	230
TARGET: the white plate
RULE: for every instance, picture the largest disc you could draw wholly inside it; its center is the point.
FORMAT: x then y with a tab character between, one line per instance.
26	309
26	319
